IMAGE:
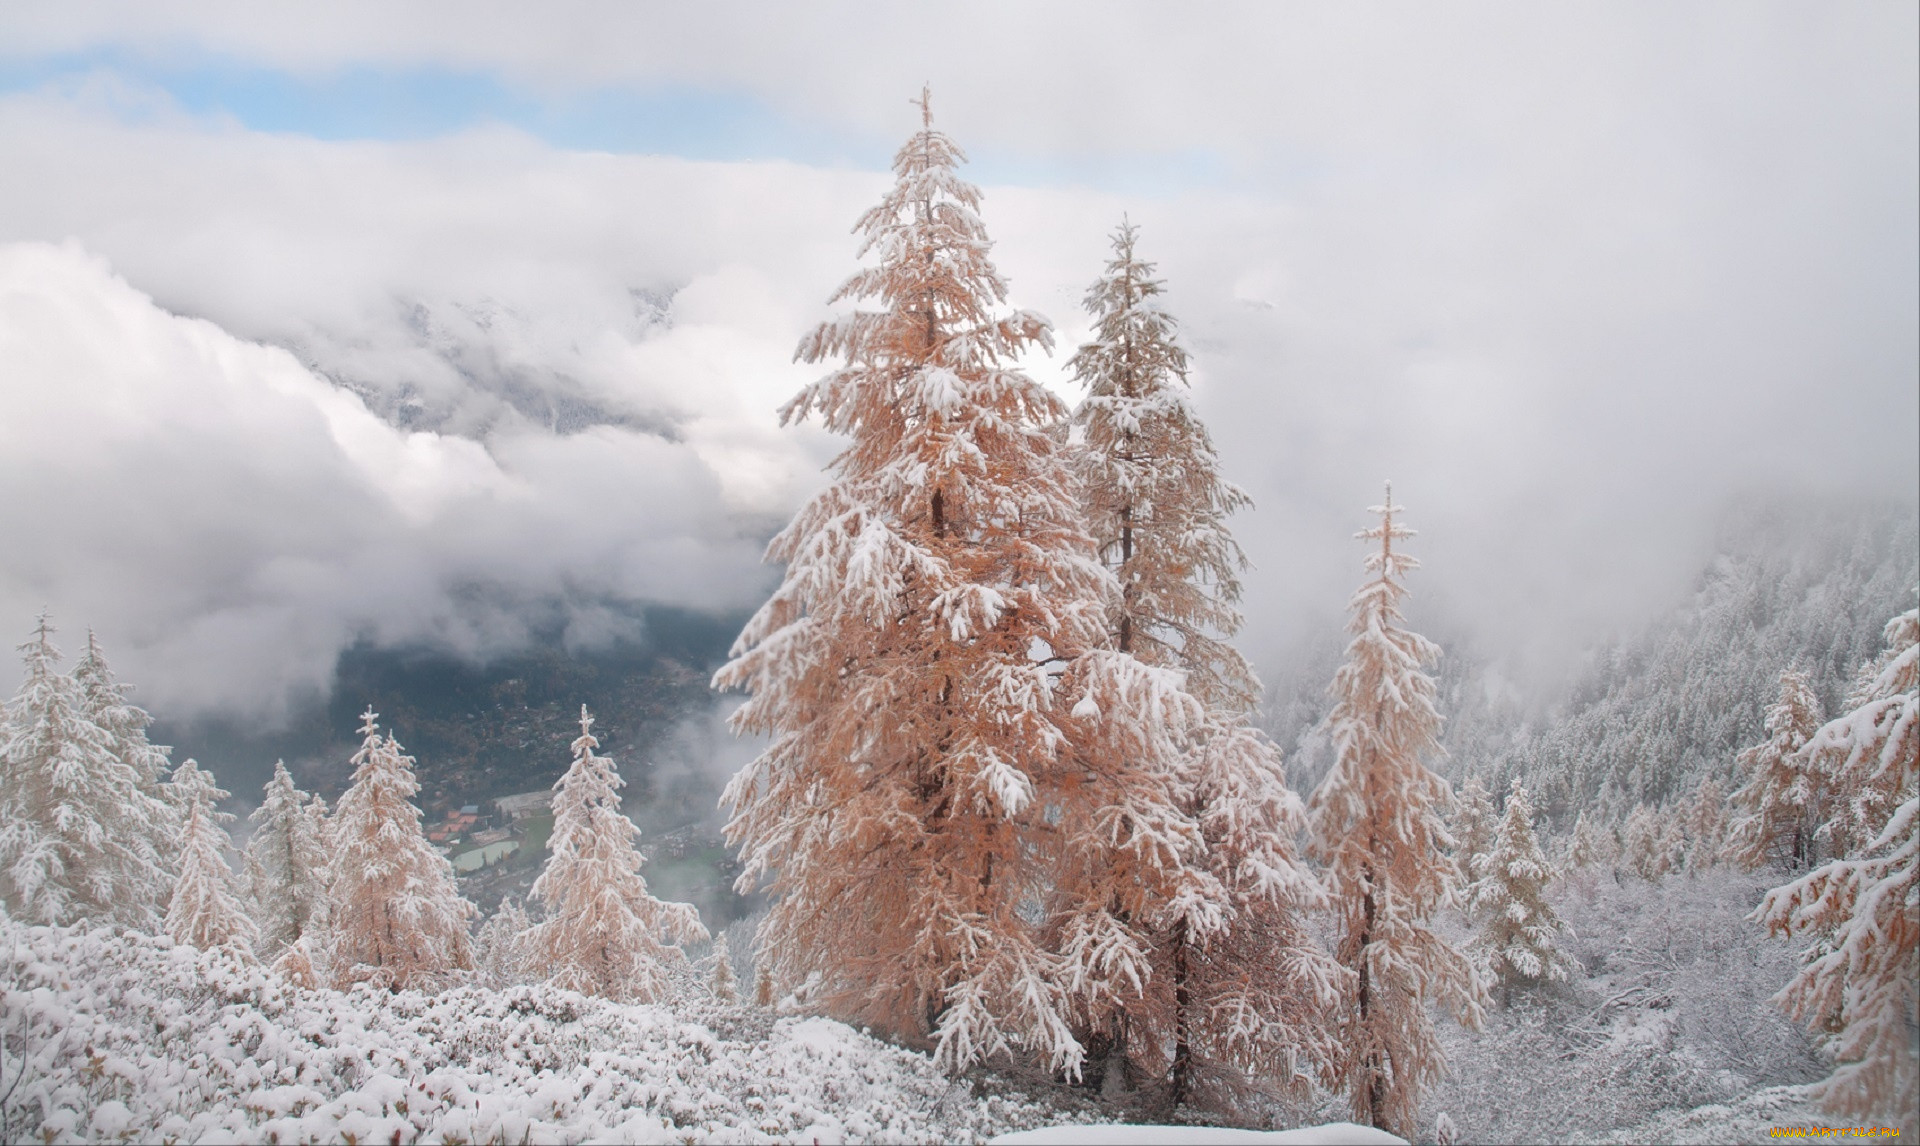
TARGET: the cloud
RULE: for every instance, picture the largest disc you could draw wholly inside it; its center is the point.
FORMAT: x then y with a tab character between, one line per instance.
1573	277
229	520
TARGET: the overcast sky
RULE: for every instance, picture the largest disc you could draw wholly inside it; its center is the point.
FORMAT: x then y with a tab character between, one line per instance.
302	308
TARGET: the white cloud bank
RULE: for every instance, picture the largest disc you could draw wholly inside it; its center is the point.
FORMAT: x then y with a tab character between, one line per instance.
1573	277
229	520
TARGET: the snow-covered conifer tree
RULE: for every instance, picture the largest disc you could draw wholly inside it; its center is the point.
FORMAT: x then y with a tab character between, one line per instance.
1643	845
1706	825
125	723
395	915
1856	989
286	865
1376	826
602	934
500	950
724	985
932	669
1252	1006
1784	797
1587	846
1473	827
77	829
205	908
1518	927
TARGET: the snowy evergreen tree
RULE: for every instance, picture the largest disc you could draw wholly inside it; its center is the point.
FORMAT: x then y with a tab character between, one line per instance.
286	864
1155	501
125	723
1856	989
80	838
933	669
205	910
1518	927
396	916
1376	826
1643	845
1587	846
1251	1008
1473	827
500	950
1706	825
724	985
1784	797
602	934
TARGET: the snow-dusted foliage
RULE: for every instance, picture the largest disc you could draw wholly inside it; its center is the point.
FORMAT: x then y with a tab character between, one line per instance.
1643	844
1519	937
205	910
1376	826
82	837
125	1037
1473	827
1857	987
1706	825
395	917
1783	797
286	864
938	622
125	723
1666	1009
603	934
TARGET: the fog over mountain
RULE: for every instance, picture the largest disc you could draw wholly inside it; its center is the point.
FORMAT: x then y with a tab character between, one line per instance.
1578	285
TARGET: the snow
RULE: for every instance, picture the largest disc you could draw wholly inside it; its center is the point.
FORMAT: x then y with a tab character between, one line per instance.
1120	1134
131	1037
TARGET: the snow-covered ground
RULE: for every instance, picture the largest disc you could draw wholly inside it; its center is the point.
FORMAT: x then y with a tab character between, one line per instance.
129	1038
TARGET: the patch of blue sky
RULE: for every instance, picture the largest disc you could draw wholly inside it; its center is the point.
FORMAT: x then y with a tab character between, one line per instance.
368	103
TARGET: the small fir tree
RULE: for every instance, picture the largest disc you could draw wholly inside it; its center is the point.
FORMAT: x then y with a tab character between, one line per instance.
602	934
397	918
80	839
205	909
1643	844
1856	989
296	965
724	984
286	864
1376	826
106	703
1473	827
1706	825
1518	937
1783	800
500	950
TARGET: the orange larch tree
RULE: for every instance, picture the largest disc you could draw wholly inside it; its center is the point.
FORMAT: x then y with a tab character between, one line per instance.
397	917
1376	826
1224	993
1856	989
932	669
1784	797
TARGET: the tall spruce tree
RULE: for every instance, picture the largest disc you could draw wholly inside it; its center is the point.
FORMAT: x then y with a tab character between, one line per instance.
397	917
80	836
933	671
603	932
1218	1009
286	864
1473	827
204	910
1856	989
1376	826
